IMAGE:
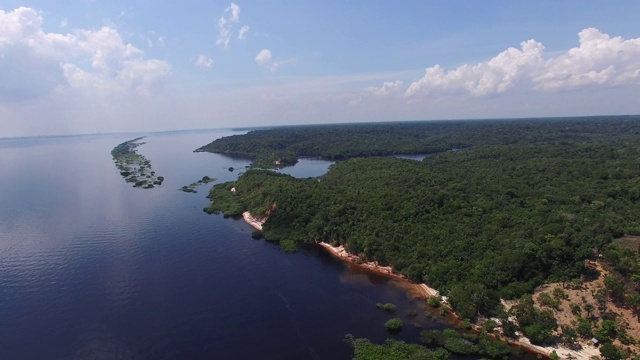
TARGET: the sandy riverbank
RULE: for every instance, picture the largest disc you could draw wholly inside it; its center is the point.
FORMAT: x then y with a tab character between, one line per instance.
424	291
586	353
255	222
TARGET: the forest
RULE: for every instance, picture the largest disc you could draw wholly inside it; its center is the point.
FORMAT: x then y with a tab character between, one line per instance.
500	208
282	146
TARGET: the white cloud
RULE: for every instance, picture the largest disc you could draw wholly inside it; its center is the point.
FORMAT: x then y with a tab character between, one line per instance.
599	61
64	23
494	76
265	59
242	33
204	61
388	87
33	63
225	23
224	32
234	11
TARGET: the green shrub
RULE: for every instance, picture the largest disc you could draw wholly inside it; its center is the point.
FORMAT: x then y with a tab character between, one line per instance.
560	294
610	351
509	328
465	325
569	335
433	301
388	307
548	301
288	246
394	325
460	346
490	325
584	328
575	309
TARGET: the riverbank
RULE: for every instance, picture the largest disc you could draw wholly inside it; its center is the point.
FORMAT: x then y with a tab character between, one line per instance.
254	222
424	291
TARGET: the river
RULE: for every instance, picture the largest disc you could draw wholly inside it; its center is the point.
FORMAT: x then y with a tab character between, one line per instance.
92	268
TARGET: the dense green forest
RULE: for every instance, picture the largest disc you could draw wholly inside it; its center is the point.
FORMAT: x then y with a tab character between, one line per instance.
342	141
522	203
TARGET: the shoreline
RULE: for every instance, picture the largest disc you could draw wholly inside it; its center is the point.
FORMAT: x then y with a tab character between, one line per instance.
424	291
251	220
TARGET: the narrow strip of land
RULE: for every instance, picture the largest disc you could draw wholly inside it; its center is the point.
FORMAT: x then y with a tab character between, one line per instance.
133	167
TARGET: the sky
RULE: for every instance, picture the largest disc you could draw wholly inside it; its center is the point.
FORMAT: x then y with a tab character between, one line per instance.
97	66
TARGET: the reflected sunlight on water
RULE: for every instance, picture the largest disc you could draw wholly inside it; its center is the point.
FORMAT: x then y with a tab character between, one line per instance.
93	268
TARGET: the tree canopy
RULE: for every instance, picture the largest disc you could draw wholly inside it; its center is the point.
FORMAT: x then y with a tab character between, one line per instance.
522	202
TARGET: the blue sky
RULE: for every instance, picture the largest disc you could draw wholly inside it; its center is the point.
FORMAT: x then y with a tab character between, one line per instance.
104	66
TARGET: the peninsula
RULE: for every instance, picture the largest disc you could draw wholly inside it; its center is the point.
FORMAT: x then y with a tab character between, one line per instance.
133	167
501	209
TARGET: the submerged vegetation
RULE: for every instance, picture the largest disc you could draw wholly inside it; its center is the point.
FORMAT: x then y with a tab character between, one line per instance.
133	167
394	325
467	343
388	307
393	349
445	342
523	203
191	188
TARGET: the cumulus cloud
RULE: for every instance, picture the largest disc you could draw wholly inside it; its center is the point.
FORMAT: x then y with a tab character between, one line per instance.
204	61
225	23
242	33
265	59
388	87
497	75
599	60
233	11
33	63
223	33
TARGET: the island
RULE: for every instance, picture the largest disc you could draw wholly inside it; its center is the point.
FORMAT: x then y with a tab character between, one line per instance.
191	188
528	229
133	167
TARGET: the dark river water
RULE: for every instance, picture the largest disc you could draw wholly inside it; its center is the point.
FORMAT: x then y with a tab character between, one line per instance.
92	268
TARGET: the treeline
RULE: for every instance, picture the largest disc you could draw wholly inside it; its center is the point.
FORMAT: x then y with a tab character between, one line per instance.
283	146
495	220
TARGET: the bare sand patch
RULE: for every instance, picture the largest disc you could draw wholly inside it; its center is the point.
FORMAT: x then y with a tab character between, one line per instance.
585	295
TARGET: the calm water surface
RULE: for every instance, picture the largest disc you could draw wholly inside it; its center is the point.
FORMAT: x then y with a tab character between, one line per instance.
92	268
